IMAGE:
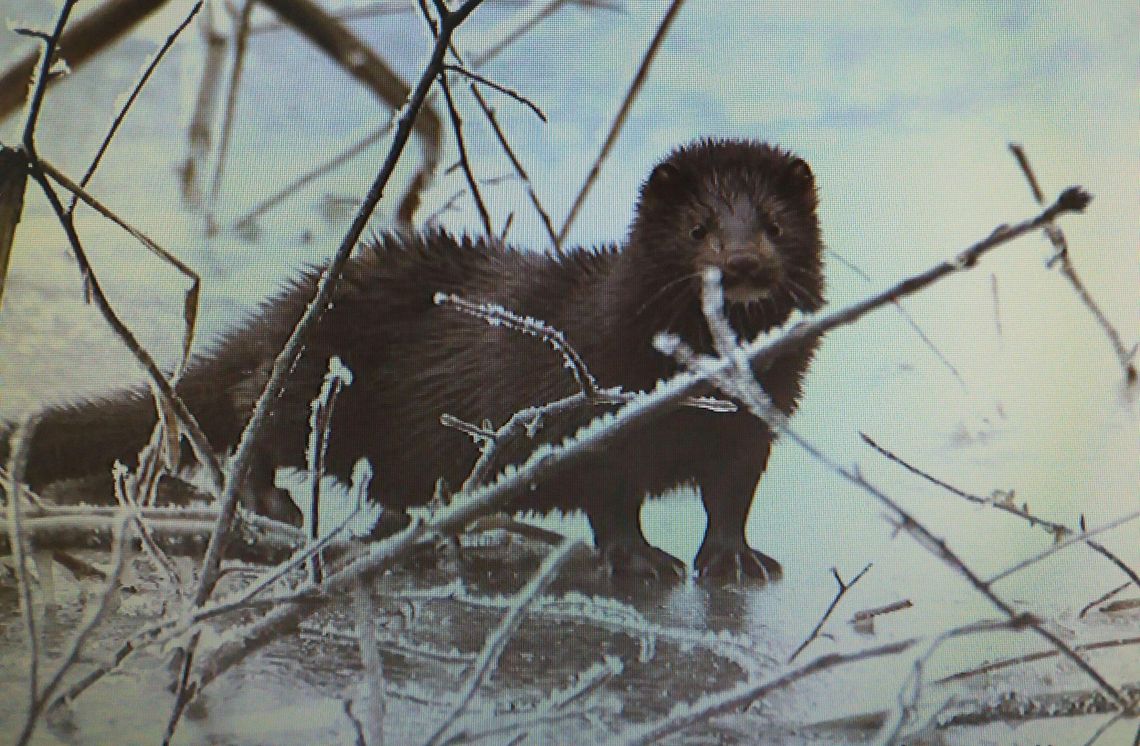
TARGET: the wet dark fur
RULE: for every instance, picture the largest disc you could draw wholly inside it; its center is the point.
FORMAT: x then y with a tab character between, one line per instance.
753	208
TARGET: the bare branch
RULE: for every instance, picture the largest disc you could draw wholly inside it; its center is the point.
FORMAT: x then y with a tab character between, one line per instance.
477	78
126	107
43	77
464	161
104	25
1057	238
619	120
241	39
21	441
843	588
502	634
543	213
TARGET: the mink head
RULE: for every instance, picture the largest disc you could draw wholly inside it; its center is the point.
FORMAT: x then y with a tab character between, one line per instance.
743	207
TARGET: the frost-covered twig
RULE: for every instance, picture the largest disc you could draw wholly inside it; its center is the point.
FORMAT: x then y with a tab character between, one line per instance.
497	640
1057	530
619	120
329	277
372	684
320	427
729	374
94	617
496	315
241	40
1065	262
18	459
711	705
839	593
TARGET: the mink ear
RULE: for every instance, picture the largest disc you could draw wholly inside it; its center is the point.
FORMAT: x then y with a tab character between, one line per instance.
665	179
802	181
800	174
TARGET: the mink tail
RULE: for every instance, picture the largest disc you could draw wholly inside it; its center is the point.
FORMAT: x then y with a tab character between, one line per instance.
82	439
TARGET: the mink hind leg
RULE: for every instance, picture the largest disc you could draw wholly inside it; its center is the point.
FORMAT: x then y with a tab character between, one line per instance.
615	517
727	494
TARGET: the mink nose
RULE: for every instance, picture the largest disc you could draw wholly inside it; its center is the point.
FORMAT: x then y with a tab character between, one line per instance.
749	269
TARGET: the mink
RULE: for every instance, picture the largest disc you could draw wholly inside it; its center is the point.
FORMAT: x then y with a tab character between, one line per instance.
744	207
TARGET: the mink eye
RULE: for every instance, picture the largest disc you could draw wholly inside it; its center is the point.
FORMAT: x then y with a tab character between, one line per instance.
698	232
773	228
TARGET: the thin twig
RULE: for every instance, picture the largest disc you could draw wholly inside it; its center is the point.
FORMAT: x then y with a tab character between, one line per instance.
843	588
1057	531
1057	238
502	634
372	685
1101	599
94	617
476	77
496	315
241	39
619	120
18	459
465	162
203	451
126	107
1020	660
193	293
529	24
543	213
43	76
711	705
909	319
312	174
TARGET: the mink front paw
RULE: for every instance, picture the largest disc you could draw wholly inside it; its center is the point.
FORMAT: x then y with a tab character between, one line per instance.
735	560
636	558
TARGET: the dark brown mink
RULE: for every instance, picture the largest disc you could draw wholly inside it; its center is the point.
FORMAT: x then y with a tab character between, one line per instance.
745	207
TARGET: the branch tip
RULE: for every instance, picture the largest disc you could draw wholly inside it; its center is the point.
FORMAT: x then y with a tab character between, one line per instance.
1074	199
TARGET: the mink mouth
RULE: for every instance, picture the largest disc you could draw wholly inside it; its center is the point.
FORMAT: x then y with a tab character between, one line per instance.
748	279
746	293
